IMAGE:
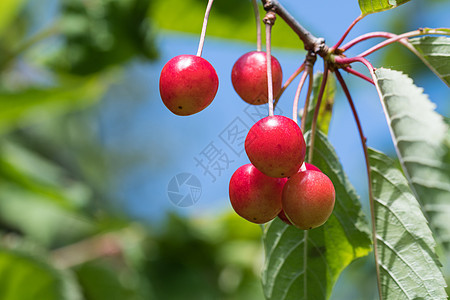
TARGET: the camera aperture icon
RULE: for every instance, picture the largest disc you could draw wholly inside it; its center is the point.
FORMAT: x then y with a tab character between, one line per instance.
184	190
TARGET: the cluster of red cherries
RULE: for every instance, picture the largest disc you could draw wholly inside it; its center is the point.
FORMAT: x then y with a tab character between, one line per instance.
277	182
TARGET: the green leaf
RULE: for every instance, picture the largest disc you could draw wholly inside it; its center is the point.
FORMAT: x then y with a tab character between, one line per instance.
306	264
435	53
409	268
374	6
326	107
8	11
29	278
422	141
232	19
33	104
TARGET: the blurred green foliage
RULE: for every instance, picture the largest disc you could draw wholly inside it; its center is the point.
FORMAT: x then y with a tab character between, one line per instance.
61	234
229	19
54	180
101	33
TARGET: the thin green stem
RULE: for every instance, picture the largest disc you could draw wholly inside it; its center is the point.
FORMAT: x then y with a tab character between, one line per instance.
316	110
205	24
369	177
258	25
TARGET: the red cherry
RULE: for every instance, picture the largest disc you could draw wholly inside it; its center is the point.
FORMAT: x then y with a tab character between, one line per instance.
188	84
282	215
284	218
275	145
308	199
254	196
249	77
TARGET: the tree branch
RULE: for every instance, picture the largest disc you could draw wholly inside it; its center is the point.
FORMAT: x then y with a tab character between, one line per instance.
311	43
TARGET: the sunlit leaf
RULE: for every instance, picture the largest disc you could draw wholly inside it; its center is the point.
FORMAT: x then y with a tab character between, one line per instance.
374	6
409	268
422	140
8	11
435	53
29	278
306	264
228	19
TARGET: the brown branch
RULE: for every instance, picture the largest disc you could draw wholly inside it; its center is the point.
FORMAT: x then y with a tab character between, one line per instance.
311	43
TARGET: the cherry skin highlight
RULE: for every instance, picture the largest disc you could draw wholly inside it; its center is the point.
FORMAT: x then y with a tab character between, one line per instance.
249	77
275	146
308	199
254	196
282	215
188	84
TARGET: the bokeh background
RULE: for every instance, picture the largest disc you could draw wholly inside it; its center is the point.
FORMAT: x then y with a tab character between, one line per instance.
88	150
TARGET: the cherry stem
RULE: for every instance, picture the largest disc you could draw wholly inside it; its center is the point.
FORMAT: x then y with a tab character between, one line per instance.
369	177
205	24
258	26
288	82
309	70
345	61
316	110
382	34
400	37
346	33
370	35
297	96
356	73
269	20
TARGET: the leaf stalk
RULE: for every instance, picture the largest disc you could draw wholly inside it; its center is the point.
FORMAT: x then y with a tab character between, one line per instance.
369	177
